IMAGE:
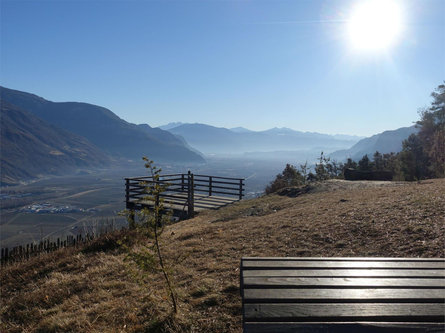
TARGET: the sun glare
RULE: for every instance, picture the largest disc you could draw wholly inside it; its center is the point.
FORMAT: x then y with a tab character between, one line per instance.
375	25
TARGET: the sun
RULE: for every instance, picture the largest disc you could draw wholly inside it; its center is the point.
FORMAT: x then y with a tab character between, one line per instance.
374	25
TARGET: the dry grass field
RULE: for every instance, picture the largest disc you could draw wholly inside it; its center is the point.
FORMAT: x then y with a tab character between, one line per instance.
95	290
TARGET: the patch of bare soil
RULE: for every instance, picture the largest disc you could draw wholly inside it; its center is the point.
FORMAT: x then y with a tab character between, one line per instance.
99	292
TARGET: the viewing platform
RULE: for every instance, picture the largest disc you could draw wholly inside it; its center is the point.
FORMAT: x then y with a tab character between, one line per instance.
185	194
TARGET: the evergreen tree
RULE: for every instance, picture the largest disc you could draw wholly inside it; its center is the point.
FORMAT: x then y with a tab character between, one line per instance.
350	164
432	132
423	154
364	164
414	161
290	176
378	161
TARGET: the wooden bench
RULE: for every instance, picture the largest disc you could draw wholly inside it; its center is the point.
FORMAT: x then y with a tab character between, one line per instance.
343	294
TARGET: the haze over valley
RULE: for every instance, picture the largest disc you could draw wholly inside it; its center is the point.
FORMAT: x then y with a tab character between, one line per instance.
64	164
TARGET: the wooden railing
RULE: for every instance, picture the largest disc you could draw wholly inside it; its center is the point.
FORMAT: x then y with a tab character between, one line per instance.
182	190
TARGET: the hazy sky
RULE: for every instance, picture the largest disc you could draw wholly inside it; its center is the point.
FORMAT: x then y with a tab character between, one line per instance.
257	64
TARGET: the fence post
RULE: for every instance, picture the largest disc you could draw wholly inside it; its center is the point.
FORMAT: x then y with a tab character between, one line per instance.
210	186
240	189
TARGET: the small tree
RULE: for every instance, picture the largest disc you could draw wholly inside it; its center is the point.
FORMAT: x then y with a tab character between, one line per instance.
151	225
304	171
321	170
289	177
335	169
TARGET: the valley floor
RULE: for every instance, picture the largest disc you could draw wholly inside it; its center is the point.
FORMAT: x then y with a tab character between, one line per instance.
96	290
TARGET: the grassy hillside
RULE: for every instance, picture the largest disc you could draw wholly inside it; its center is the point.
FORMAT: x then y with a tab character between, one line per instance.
95	290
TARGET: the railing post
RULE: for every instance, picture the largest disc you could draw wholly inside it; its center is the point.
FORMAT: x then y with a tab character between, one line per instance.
191	195
240	189
210	186
127	192
182	182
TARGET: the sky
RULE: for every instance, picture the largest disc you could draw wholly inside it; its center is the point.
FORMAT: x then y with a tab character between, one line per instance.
256	64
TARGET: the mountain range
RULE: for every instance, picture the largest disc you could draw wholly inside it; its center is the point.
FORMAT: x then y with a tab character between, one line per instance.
385	142
104	128
218	140
98	134
40	137
31	147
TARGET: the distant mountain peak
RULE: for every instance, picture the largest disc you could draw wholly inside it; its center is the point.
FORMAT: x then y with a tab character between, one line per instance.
219	140
240	129
171	125
386	142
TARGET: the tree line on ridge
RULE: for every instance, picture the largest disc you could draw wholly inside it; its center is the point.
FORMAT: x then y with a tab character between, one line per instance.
422	155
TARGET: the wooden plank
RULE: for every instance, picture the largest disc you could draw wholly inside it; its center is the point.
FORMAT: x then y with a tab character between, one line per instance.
289	264
362	327
339	259
215	197
215	200
209	206
400	273
202	202
217	177
217	186
303	282
401	312
222	192
344	295
150	177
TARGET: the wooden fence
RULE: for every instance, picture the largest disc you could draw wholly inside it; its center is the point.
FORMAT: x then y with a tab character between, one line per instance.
24	252
185	192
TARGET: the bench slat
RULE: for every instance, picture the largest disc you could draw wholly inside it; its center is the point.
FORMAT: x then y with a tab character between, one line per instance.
323	259
344	295
408	273
289	264
286	282
400	312
362	327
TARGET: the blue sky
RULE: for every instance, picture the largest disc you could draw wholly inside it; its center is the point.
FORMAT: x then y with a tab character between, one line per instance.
257	64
